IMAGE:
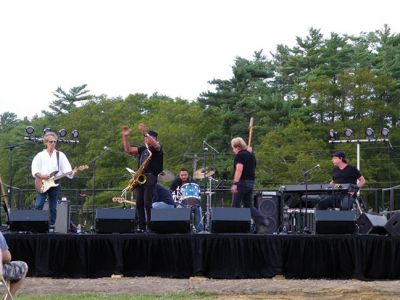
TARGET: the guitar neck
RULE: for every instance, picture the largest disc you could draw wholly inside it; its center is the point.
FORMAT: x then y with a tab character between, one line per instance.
61	176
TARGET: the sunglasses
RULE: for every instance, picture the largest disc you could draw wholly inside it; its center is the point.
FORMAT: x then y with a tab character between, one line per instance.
51	142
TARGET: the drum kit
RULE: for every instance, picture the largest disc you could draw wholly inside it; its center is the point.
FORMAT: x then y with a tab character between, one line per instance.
189	194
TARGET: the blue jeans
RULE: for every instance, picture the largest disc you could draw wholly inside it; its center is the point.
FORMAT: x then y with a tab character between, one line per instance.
244	194
52	194
198	218
162	205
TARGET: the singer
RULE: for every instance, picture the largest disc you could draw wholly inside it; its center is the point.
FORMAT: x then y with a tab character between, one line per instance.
144	192
342	173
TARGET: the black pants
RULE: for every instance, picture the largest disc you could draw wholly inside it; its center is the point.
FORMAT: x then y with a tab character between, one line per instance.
144	200
339	200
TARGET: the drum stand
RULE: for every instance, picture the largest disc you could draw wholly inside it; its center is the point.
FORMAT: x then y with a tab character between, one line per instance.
207	225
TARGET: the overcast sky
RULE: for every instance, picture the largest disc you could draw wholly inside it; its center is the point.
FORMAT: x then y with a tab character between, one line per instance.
173	47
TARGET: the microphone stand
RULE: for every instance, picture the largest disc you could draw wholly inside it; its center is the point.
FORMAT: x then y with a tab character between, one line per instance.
93	163
11	167
304	217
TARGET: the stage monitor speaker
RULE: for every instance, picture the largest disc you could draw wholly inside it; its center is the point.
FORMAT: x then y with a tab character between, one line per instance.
335	221
393	225
230	220
29	220
63	216
371	224
170	220
268	205
115	220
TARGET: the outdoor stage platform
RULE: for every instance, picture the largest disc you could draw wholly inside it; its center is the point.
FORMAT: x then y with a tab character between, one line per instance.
228	256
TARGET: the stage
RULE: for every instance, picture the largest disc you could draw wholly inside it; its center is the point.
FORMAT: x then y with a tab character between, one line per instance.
225	256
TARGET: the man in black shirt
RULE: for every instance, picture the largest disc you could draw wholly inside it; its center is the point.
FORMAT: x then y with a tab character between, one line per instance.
342	173
182	179
175	189
144	192
244	167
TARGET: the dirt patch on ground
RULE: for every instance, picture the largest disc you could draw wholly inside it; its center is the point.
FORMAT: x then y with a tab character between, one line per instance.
276	288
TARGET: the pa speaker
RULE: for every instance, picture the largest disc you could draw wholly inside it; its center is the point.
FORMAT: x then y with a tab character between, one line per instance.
230	220
371	224
115	220
393	225
268	205
29	220
335	221
170	220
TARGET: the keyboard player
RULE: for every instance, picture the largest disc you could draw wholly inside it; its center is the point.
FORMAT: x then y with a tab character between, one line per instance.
342	173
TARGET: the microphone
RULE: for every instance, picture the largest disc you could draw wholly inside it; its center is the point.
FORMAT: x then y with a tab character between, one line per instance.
106	149
308	171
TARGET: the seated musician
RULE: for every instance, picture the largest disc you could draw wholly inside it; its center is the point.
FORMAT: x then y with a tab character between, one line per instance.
162	197
342	173
175	187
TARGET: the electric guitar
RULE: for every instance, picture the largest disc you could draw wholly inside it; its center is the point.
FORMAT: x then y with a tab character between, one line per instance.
123	200
43	185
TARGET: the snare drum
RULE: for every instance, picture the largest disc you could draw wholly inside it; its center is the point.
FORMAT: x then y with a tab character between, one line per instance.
190	194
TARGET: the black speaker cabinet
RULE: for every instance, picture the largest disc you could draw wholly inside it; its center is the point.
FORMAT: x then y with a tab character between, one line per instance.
230	220
115	220
268	205
393	225
170	220
371	224
29	220
335	221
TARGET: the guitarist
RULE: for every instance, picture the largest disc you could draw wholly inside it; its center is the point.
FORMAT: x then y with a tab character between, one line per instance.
48	163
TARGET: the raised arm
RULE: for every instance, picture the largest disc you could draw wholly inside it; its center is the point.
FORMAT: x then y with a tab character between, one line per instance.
125	142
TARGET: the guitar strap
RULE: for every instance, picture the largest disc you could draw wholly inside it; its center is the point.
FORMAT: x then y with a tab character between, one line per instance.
58	162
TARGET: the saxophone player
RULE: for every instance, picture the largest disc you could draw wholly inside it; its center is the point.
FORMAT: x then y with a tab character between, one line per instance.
150	156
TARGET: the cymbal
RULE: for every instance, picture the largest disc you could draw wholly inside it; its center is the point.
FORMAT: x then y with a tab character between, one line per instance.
166	175
203	173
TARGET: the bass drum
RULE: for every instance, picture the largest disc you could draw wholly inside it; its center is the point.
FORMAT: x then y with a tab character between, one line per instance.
190	194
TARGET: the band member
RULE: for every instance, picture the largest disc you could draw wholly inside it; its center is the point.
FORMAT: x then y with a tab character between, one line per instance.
144	192
162	197
342	173
175	188
243	181
244	167
12	271
44	165
182	179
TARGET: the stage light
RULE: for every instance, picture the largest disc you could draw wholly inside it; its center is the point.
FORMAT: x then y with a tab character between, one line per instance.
348	132
62	132
46	130
385	132
333	134
29	130
75	134
369	132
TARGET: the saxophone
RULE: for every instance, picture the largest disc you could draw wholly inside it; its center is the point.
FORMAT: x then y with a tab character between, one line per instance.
139	177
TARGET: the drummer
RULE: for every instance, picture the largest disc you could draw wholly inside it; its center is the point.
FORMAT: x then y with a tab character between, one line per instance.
175	188
182	179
